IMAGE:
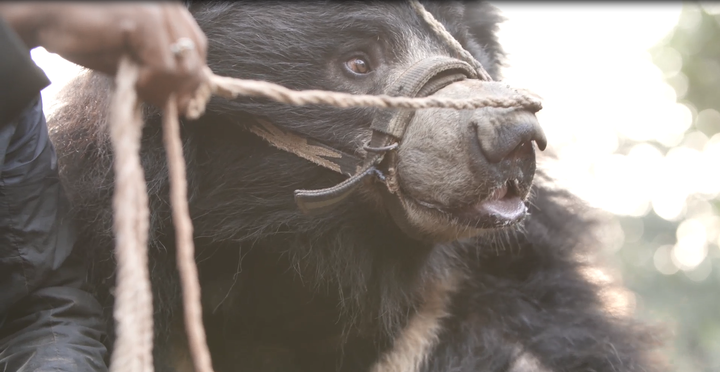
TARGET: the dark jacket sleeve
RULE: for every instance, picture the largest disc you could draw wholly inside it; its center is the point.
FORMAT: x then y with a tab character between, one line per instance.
47	321
20	79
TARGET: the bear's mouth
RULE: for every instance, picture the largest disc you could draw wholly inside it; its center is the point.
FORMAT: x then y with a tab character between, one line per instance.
503	207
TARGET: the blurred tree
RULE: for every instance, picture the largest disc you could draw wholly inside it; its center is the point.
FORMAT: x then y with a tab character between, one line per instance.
687	298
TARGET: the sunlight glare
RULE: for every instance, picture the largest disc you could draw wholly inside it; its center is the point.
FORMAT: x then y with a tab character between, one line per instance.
600	84
663	263
691	247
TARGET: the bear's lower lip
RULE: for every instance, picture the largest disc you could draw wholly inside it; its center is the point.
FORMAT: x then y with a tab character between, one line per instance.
502	208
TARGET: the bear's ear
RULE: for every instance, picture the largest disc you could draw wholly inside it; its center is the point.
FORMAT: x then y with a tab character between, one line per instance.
482	21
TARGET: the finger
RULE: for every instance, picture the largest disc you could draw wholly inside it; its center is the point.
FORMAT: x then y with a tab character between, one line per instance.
197	35
189	64
151	38
183	25
105	62
157	63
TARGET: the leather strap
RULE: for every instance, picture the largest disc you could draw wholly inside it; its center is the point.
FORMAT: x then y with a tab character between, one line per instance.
423	78
394	121
307	148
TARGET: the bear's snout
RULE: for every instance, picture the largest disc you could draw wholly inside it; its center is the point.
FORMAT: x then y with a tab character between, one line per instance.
470	168
505	133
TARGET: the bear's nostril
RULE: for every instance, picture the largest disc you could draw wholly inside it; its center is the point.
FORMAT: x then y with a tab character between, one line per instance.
540	139
522	150
505	134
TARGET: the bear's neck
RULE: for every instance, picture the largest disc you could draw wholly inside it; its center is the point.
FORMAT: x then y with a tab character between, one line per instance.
351	271
359	268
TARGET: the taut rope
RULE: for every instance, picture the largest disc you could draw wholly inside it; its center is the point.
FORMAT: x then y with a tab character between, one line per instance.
133	299
232	88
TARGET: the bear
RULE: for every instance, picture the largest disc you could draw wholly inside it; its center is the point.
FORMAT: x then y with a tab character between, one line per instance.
471	259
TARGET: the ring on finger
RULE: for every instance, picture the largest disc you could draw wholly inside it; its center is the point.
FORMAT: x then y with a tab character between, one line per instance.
182	46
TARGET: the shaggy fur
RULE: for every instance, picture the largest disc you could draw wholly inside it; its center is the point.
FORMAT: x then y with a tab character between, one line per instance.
341	292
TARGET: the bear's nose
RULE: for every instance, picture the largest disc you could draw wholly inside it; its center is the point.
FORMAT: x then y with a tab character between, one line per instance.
501	132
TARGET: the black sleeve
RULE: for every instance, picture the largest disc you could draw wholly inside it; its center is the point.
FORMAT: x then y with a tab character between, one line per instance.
48	322
20	78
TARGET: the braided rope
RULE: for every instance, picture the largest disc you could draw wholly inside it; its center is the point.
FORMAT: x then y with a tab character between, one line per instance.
133	304
133	299
441	31
232	88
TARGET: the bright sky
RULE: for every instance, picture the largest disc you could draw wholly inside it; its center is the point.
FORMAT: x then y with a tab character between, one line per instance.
589	63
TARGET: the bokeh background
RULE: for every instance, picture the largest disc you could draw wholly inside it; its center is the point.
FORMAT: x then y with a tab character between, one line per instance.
631	109
632	94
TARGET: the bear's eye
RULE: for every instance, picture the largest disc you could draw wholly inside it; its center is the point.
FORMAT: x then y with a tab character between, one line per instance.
358	65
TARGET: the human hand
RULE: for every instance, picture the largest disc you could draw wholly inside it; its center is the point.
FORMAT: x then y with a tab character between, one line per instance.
161	37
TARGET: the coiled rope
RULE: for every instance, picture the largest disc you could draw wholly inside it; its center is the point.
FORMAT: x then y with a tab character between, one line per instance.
133	299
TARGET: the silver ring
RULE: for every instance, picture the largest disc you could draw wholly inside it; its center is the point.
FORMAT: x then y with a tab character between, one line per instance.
181	46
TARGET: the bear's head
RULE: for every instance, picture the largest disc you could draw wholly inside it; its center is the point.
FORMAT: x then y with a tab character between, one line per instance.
349	278
449	173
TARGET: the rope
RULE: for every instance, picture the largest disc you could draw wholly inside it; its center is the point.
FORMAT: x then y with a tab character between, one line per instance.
232	88
133	303
133	309
184	238
133	299
443	33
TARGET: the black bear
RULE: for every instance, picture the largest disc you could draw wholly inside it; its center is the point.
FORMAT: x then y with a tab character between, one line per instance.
451	253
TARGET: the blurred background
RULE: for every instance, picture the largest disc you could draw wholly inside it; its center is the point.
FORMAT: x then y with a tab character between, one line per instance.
631	99
631	108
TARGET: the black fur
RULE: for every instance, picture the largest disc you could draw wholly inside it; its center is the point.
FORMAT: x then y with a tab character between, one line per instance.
283	291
